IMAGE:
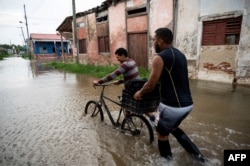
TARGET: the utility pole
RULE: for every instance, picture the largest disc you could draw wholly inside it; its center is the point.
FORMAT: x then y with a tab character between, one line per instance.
75	32
22	34
28	38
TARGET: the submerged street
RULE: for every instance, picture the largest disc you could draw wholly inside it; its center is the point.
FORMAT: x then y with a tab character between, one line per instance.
40	122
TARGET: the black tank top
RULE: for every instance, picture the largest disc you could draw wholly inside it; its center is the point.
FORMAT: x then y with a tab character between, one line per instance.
174	88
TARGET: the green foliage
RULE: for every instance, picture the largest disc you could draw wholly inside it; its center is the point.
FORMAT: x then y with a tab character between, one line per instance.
144	73
97	71
5	47
25	56
3	53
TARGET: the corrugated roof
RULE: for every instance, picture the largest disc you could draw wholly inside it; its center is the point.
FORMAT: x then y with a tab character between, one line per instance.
66	25
38	36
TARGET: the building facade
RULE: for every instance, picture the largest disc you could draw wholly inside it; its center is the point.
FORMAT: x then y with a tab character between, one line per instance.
213	35
48	46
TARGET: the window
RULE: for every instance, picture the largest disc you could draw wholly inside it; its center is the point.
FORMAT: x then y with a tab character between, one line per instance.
103	36
101	18
80	25
222	32
137	11
43	50
102	27
103	43
82	46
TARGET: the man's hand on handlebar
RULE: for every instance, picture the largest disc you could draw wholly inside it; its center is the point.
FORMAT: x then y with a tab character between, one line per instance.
117	82
95	83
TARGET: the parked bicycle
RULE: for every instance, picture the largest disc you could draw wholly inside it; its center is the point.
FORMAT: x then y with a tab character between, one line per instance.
130	123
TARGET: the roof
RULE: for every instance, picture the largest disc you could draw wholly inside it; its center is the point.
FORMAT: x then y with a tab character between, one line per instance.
38	36
66	25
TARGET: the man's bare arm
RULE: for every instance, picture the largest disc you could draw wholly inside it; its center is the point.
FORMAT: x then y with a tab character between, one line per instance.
157	66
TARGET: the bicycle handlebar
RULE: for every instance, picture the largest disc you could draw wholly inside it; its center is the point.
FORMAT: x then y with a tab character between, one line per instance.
104	84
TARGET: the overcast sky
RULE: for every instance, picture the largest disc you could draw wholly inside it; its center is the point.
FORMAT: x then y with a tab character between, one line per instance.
43	16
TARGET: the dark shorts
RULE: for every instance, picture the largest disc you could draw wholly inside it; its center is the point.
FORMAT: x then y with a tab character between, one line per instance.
170	118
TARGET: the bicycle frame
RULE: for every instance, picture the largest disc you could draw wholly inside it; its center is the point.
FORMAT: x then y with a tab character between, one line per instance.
133	124
102	102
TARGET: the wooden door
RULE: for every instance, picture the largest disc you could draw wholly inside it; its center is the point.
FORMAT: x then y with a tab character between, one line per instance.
137	48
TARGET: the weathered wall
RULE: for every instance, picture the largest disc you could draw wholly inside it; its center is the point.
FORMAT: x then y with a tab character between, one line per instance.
217	63
117	29
82	34
92	47
137	24
243	56
220	6
132	3
216	55
186	29
160	15
185	19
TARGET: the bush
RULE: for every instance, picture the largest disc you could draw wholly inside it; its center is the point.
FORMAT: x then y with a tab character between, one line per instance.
3	54
98	71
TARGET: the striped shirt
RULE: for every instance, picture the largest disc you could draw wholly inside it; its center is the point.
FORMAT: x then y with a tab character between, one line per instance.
127	68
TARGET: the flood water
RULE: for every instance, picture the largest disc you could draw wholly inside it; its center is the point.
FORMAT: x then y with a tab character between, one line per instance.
40	122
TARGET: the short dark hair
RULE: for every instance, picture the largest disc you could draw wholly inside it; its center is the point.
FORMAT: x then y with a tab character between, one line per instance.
121	51
165	34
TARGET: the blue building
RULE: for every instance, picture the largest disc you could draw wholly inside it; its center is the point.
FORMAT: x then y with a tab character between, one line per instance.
49	46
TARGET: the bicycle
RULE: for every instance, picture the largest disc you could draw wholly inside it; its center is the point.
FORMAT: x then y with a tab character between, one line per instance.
133	124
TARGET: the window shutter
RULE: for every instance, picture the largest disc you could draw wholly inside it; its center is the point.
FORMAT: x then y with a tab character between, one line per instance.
221	32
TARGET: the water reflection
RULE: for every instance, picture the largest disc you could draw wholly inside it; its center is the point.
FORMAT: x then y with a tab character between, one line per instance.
39	121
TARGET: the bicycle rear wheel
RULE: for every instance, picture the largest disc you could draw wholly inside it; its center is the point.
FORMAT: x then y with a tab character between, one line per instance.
138	126
94	110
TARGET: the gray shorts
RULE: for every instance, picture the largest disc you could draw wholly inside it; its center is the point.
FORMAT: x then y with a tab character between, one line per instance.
171	117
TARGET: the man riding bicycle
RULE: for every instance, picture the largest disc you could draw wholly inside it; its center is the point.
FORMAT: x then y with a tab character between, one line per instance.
128	68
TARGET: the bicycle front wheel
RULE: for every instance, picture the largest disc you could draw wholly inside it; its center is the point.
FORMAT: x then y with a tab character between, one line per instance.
94	110
138	126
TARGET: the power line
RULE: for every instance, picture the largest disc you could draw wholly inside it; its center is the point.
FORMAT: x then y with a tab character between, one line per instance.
36	18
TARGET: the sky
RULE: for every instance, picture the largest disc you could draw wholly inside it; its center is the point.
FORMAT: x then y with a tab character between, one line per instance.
43	16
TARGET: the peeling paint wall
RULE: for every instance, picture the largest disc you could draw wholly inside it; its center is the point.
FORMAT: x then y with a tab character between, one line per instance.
227	53
92	47
187	27
190	16
137	24
82	34
120	25
243	56
217	54
223	63
132	3
217	63
117	29
160	15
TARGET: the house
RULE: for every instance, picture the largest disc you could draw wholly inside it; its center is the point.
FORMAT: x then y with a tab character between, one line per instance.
100	32
49	46
213	35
